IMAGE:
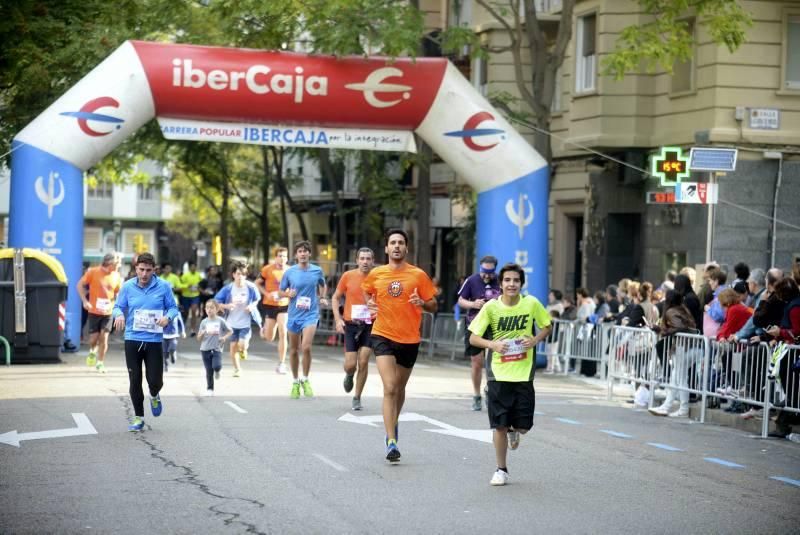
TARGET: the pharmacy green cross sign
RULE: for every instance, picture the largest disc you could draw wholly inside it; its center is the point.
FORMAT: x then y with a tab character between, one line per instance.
670	166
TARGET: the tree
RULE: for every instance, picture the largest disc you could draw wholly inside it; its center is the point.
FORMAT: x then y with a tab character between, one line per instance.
659	43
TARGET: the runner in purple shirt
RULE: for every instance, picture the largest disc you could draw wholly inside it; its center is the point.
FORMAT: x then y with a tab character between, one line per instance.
474	293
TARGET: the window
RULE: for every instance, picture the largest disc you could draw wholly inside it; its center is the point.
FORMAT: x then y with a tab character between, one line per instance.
148	193
101	191
791	77
585	53
92	238
683	71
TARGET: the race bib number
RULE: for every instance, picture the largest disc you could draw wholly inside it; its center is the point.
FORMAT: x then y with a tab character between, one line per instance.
514	351
239	299
212	329
193	288
147	321
303	303
103	305
360	312
276	296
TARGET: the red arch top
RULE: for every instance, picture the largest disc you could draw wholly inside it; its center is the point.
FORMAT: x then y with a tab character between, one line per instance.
225	84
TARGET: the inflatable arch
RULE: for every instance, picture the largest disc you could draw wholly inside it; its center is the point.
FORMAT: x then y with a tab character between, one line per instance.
253	96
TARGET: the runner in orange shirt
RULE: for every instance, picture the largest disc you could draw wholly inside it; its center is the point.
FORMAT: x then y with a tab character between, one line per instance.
273	307
104	283
356	324
397	293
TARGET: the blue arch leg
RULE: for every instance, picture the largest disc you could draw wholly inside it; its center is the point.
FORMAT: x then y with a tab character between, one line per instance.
512	225
46	212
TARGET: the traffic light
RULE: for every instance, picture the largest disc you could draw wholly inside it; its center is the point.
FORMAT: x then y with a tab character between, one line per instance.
216	250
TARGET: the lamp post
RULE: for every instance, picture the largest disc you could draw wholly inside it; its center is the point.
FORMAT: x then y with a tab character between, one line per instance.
117	226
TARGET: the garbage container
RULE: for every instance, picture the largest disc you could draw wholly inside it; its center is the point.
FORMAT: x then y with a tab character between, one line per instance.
32	286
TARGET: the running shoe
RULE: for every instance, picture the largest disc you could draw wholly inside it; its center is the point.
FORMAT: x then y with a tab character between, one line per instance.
348	383
209	393
91	360
156	406
392	453
243	354
137	424
100	367
356	404
477	403
513	440
172	358
237	372
216	375
295	391
499	478
307	391
281	369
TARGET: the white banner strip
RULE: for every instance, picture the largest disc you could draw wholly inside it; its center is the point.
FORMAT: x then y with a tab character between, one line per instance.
288	136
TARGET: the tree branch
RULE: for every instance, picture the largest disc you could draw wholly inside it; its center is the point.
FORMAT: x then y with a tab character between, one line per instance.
203	194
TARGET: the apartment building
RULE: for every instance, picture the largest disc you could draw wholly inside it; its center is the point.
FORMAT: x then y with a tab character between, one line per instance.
601	227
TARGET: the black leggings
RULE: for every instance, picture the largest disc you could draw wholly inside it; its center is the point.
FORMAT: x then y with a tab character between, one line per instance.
212	360
151	353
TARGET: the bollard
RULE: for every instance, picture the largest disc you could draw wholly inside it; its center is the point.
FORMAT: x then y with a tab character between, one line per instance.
8	350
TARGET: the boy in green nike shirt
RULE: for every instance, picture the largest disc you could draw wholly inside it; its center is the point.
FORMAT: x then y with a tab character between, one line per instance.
511	397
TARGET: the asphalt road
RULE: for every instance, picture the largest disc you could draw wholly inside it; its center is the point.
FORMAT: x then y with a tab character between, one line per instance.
251	460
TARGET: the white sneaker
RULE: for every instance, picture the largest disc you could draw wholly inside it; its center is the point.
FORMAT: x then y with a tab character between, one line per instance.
513	441
281	369
237	372
499	478
661	410
680	413
752	413
216	375
209	393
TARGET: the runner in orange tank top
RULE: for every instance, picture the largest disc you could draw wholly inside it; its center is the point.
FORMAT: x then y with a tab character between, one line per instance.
356	326
397	293
103	283
274	307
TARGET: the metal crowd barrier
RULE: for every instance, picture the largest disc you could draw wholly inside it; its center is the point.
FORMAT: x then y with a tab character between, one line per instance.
758	375
783	379
681	367
574	342
559	343
632	357
426	333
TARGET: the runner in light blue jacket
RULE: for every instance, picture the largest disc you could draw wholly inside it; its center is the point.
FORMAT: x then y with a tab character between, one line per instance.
145	305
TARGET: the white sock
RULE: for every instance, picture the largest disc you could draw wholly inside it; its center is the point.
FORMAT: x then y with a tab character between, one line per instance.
303	379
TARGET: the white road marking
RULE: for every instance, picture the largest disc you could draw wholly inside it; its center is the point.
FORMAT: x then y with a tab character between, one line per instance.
85	427
332	464
235	407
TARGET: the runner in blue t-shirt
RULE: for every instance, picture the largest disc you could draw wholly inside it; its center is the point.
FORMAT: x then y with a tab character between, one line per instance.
301	283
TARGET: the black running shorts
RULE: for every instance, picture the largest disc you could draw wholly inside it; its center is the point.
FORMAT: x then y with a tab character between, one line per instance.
405	354
511	404
272	311
356	335
99	323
